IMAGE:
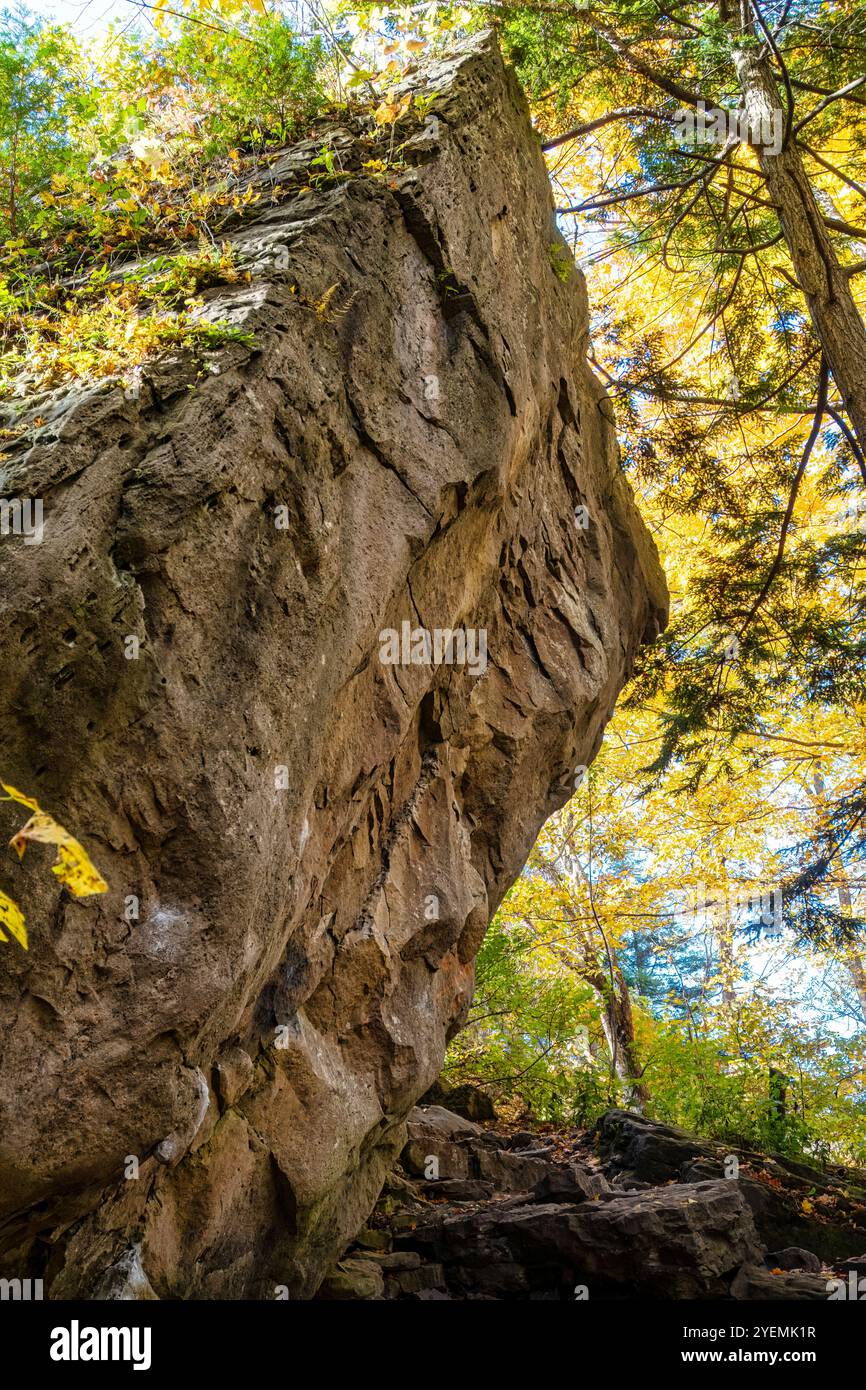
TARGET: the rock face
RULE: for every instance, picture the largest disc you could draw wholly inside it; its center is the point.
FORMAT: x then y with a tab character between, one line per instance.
206	1071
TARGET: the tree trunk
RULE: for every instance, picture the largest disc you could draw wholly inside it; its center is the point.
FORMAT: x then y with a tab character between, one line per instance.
825	285
852	957
727	967
13	187
617	1021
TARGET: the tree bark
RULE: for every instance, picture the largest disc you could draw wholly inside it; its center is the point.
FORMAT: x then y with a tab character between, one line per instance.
825	284
727	967
853	959
617	1021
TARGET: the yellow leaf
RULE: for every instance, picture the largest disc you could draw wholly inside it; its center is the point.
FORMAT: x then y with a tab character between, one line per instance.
14	795
415	45
73	867
12	918
386	113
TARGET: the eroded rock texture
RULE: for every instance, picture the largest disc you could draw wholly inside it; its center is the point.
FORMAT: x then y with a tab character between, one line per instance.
257	1035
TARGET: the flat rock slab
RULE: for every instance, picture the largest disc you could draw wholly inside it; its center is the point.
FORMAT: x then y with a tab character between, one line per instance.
681	1241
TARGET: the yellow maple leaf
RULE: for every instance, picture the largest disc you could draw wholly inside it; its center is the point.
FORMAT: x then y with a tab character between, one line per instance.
73	866
12	918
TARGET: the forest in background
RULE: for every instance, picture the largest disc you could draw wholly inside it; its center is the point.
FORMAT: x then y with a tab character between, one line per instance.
687	936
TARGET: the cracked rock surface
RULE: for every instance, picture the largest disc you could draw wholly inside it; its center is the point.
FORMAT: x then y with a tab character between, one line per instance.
205	1072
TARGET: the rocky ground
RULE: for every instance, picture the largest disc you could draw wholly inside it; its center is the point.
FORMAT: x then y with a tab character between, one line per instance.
629	1209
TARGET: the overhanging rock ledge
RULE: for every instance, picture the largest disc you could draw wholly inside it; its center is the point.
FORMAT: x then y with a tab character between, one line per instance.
316	839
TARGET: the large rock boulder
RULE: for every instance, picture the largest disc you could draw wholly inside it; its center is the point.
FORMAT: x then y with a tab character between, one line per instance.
682	1241
793	1204
635	1148
205	1073
447	1150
